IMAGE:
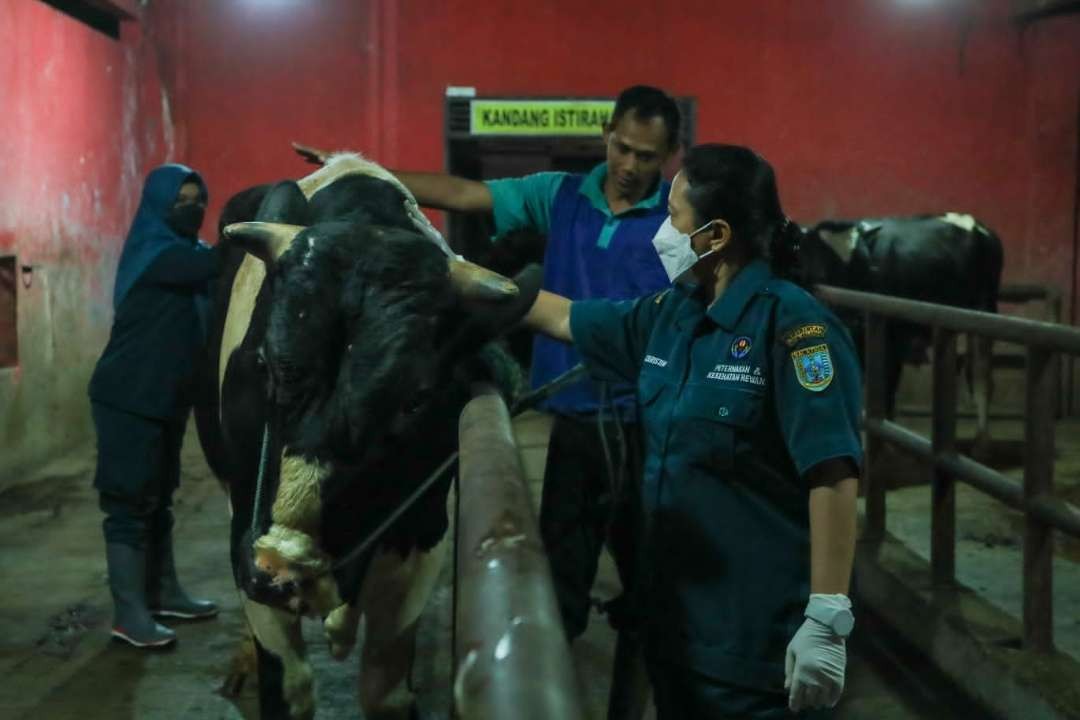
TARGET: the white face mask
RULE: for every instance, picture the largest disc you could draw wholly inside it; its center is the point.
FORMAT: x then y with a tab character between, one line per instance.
676	251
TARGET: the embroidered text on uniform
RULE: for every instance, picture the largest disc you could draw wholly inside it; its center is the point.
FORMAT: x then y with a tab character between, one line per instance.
811	330
736	373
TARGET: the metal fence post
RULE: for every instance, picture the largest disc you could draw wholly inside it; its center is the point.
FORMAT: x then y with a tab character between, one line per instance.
513	658
875	409
1040	395
943	438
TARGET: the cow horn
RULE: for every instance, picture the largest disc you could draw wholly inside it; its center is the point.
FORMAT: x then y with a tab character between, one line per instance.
265	240
473	282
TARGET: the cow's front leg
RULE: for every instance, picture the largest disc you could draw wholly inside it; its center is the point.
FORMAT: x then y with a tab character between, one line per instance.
393	596
241	665
285	679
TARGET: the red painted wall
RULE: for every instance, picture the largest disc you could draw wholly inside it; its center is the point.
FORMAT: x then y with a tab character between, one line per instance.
871	107
82	118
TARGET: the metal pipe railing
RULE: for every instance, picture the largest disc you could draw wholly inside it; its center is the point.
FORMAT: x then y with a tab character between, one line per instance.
1059	514
1043	512
513	660
1050	336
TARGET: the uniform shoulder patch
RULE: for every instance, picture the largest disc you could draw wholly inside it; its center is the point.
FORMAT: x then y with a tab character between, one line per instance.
801	332
813	367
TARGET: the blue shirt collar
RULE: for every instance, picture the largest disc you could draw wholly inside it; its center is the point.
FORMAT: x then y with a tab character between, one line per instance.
592	187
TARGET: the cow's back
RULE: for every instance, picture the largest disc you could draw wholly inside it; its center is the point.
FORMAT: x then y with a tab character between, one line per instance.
935	260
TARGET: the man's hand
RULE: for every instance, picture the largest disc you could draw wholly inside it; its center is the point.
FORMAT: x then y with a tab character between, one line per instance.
313	155
815	663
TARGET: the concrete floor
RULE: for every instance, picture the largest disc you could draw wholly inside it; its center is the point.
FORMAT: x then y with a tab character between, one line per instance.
57	662
989	535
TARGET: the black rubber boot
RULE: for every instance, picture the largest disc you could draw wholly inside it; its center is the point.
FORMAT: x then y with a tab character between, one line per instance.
163	591
132	621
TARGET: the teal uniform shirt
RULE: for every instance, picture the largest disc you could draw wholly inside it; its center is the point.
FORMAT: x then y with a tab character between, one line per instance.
739	400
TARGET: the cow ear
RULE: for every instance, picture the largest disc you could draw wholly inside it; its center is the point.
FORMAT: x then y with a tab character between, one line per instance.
265	240
473	282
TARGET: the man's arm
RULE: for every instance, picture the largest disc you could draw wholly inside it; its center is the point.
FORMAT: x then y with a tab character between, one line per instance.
434	190
447	192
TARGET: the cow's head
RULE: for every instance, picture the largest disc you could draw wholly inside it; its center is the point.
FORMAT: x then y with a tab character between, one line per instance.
364	320
364	324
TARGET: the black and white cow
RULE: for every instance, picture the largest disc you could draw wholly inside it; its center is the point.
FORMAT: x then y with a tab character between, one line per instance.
349	333
949	259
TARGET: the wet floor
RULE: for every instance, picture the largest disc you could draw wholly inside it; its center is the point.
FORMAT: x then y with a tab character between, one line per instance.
57	661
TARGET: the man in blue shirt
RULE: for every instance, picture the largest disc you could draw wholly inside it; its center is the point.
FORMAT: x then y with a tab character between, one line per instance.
599	227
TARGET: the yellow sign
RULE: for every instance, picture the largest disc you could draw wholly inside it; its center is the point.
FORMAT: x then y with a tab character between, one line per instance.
540	117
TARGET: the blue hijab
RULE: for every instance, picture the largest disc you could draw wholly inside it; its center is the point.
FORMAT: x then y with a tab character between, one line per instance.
150	235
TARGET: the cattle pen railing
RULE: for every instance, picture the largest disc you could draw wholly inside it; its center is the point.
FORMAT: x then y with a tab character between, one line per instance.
511	654
1043	512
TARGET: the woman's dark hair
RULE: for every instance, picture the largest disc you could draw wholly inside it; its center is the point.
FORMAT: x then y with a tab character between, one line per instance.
736	184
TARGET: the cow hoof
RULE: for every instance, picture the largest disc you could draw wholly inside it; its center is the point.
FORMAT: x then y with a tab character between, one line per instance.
232	685
241	665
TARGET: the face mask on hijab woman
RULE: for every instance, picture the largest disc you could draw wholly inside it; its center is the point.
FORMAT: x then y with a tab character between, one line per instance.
186	219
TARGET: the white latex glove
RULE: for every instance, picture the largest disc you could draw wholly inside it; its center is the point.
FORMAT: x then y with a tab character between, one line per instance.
815	662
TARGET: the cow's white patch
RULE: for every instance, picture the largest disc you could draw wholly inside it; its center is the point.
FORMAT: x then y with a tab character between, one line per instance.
249	278
297	503
966	222
352	163
842	242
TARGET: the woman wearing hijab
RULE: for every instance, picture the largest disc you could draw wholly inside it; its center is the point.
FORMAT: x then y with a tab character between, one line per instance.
141	395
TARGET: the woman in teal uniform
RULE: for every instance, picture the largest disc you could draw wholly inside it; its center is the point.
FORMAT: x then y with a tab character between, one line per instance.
750	395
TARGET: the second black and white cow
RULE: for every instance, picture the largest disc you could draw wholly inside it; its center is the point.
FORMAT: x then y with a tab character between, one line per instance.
949	259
